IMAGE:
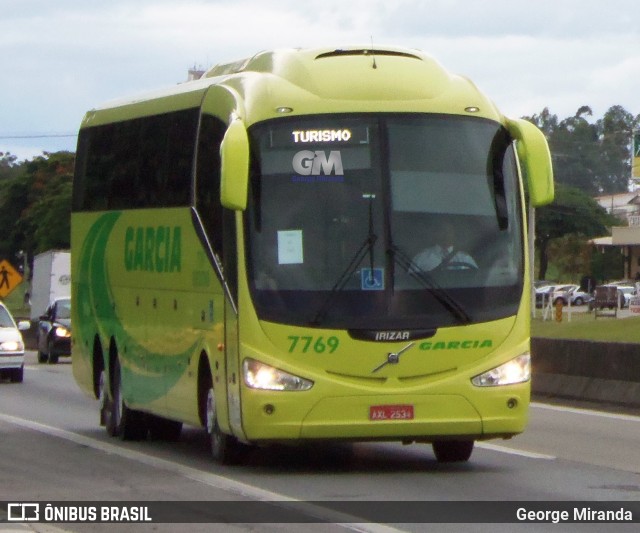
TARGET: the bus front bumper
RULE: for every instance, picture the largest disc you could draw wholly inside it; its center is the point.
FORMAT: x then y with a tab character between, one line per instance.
500	413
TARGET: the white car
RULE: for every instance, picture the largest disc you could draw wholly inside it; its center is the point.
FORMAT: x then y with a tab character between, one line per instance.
11	346
566	293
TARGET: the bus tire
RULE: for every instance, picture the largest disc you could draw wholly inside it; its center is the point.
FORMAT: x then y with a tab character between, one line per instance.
452	451
120	421
103	398
225	448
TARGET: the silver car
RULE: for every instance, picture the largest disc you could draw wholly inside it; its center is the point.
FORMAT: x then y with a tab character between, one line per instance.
11	346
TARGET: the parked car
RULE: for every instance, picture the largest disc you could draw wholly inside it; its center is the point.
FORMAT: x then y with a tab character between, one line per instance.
570	293
54	331
544	291
624	292
11	346
627	293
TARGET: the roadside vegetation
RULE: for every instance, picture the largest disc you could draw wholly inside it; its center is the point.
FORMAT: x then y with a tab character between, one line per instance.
584	326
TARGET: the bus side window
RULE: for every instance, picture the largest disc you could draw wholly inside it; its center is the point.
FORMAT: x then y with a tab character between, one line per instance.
208	180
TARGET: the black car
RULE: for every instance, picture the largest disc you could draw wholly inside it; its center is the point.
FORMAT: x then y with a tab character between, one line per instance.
54	331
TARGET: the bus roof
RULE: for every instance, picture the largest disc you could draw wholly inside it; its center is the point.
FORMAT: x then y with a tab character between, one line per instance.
318	80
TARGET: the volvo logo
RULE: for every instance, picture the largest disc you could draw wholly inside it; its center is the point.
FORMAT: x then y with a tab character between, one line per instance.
393	358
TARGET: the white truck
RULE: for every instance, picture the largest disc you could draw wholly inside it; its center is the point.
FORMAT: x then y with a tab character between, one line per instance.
51	279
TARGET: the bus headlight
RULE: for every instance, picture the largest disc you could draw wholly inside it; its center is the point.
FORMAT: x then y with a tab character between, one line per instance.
517	370
257	375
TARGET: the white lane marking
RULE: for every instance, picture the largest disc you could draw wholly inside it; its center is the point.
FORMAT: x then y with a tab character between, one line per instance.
513	451
219	482
587	412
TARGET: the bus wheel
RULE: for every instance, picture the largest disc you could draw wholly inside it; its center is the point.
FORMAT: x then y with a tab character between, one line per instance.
121	421
452	451
224	448
103	398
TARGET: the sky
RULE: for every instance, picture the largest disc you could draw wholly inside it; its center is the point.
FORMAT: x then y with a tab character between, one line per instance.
60	59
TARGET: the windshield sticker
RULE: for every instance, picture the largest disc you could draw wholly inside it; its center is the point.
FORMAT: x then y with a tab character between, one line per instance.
372	279
290	247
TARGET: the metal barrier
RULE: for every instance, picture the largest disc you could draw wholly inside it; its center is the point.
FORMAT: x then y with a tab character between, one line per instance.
606	302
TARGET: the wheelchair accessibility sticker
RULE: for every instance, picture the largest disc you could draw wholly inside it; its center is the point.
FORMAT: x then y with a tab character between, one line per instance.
372	279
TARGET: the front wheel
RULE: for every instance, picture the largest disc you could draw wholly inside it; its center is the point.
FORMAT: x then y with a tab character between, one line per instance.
225	449
53	357
452	451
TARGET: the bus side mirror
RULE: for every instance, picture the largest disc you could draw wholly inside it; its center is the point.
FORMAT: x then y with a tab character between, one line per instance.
535	157
234	175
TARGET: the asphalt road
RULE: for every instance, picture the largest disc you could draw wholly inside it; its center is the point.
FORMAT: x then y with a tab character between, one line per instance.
52	449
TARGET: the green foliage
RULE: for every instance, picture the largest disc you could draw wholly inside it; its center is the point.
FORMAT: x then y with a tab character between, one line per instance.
607	264
594	157
35	205
589	158
573	214
584	326
9	167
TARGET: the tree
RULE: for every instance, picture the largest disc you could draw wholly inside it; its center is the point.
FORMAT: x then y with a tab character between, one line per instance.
572	213
594	157
35	206
615	130
9	166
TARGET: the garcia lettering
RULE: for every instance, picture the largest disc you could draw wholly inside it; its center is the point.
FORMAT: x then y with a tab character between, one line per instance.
153	249
456	345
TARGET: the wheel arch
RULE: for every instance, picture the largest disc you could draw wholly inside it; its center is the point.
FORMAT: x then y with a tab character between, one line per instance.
205	380
98	365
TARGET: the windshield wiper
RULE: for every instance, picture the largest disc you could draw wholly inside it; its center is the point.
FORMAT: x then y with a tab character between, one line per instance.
365	248
440	294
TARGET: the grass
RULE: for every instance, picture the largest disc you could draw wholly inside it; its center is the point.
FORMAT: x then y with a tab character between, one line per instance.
15	302
585	326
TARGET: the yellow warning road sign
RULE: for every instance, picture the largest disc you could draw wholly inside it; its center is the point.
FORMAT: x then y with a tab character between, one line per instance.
10	278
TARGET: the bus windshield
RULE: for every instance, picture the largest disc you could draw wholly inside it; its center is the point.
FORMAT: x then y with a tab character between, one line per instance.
403	220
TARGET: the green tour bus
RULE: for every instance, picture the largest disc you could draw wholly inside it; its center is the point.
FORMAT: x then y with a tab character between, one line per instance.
250	255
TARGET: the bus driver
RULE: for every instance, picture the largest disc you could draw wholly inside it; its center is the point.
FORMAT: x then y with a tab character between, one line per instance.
443	254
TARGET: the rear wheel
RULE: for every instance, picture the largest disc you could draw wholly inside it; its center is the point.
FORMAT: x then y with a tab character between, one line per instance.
121	421
452	451
103	398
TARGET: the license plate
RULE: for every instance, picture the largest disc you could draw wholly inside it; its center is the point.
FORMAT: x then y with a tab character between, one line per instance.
390	412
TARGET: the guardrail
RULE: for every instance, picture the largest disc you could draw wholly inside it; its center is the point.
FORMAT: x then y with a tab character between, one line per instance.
586	370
